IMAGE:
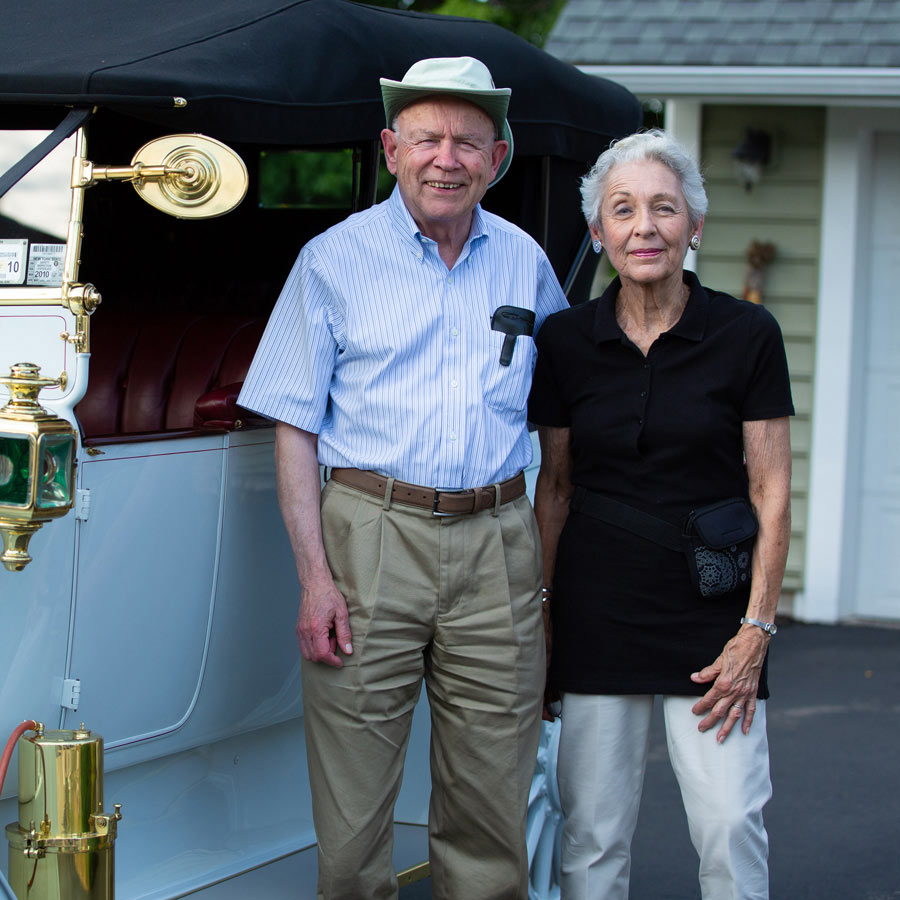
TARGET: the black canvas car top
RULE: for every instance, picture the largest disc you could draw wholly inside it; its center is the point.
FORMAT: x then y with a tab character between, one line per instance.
302	72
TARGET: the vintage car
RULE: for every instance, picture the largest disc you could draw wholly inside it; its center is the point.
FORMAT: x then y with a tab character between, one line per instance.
149	591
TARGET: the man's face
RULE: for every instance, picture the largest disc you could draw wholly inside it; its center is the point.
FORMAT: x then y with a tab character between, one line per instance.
444	156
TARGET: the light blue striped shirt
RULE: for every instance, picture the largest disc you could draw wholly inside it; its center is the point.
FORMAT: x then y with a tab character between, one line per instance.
389	356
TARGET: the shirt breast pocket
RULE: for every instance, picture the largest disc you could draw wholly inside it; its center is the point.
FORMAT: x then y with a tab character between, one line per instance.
506	387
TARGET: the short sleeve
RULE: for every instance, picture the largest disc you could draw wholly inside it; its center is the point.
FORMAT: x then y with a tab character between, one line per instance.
768	385
546	405
290	375
550	296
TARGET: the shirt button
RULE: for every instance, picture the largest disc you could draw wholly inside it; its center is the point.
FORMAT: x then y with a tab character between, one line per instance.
454	332
452	435
454	383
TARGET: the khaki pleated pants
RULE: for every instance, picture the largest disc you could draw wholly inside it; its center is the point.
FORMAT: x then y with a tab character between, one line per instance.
455	600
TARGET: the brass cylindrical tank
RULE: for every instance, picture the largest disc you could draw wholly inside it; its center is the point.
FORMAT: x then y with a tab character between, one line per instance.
62	847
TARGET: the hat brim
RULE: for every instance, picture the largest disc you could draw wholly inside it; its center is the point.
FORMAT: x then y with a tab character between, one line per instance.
495	102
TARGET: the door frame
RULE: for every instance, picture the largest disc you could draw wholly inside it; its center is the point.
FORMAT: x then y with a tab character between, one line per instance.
843	311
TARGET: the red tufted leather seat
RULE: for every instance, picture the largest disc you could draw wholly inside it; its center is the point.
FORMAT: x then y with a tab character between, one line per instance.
148	374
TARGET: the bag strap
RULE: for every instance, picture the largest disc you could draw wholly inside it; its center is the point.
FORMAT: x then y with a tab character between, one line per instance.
627	517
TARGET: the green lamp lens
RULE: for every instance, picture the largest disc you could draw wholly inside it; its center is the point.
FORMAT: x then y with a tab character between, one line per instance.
15	470
56	471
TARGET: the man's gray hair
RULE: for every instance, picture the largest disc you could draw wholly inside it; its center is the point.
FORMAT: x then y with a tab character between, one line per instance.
654	145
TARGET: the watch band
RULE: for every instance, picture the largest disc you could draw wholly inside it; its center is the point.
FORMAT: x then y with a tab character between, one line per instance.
767	627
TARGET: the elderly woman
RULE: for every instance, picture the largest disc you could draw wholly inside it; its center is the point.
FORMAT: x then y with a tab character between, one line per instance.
657	400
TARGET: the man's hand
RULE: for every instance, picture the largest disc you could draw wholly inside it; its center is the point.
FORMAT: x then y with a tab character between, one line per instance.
323	626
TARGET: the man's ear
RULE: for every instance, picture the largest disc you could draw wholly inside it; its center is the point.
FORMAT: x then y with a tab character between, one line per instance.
389	142
498	154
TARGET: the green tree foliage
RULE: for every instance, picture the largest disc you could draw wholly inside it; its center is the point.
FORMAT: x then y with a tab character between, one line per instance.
530	19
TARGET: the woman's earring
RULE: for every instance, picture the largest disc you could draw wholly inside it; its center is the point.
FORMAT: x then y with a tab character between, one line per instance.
695	242
597	246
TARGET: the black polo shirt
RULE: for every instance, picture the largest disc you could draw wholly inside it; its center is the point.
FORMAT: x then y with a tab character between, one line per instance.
663	433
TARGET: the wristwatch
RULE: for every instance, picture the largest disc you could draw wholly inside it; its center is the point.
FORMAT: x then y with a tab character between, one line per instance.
767	627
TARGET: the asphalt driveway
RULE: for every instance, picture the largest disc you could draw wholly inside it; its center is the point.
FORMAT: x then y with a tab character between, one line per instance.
834	819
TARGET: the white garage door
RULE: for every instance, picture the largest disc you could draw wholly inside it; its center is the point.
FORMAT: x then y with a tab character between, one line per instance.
878	575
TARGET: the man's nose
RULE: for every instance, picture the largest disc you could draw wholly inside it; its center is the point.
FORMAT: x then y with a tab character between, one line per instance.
447	155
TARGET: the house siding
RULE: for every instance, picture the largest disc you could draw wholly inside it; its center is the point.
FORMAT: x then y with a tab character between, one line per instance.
784	208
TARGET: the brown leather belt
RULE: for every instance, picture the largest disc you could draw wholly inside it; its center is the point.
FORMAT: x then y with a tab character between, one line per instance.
440	503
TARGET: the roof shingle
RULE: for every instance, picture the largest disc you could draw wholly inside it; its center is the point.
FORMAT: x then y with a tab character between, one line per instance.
831	33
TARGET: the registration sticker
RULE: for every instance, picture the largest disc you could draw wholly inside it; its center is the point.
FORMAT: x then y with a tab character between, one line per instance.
45	264
13	252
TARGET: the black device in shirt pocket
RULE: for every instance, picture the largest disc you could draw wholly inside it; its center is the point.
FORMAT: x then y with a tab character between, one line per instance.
512	321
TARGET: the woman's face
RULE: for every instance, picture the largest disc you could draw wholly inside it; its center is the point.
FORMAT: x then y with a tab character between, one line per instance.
644	223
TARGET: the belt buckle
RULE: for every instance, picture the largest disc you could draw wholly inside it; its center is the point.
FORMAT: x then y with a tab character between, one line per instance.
437	499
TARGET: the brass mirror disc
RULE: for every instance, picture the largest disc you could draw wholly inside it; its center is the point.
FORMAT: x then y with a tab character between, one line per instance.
212	179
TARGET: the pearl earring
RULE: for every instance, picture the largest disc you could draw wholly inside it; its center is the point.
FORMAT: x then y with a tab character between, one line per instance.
597	246
695	242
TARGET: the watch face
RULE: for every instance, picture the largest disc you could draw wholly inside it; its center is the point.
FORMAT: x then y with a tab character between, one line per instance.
771	628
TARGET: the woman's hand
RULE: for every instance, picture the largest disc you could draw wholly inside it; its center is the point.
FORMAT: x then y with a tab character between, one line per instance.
735	674
735	678
551	697
550	709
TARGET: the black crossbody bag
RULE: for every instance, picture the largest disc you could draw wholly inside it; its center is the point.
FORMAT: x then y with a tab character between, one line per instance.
716	540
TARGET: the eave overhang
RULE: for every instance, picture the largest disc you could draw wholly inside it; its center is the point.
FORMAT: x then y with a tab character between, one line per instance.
759	84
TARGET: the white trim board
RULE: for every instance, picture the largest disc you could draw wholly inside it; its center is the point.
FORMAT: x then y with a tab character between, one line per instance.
831	551
759	84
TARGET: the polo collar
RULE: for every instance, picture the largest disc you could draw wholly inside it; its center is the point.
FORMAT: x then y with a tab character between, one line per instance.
691	326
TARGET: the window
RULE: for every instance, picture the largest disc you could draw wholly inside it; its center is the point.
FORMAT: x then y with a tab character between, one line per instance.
314	179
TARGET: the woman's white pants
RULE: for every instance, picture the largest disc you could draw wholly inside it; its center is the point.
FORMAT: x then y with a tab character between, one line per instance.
602	758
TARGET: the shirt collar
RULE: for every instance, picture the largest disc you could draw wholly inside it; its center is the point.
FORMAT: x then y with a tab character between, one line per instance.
691	325
402	221
406	225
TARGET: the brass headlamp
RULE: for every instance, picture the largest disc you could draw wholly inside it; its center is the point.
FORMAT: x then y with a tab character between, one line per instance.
37	464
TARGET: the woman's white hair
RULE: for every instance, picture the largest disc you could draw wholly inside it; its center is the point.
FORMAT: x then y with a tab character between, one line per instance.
645	145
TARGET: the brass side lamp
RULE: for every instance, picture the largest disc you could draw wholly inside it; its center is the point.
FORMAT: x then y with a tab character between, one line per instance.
37	464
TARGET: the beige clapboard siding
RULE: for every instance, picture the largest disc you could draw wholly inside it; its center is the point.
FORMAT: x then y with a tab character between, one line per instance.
767	195
797	242
790	279
784	209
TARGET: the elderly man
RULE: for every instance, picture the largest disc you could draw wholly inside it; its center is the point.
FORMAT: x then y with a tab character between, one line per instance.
400	355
